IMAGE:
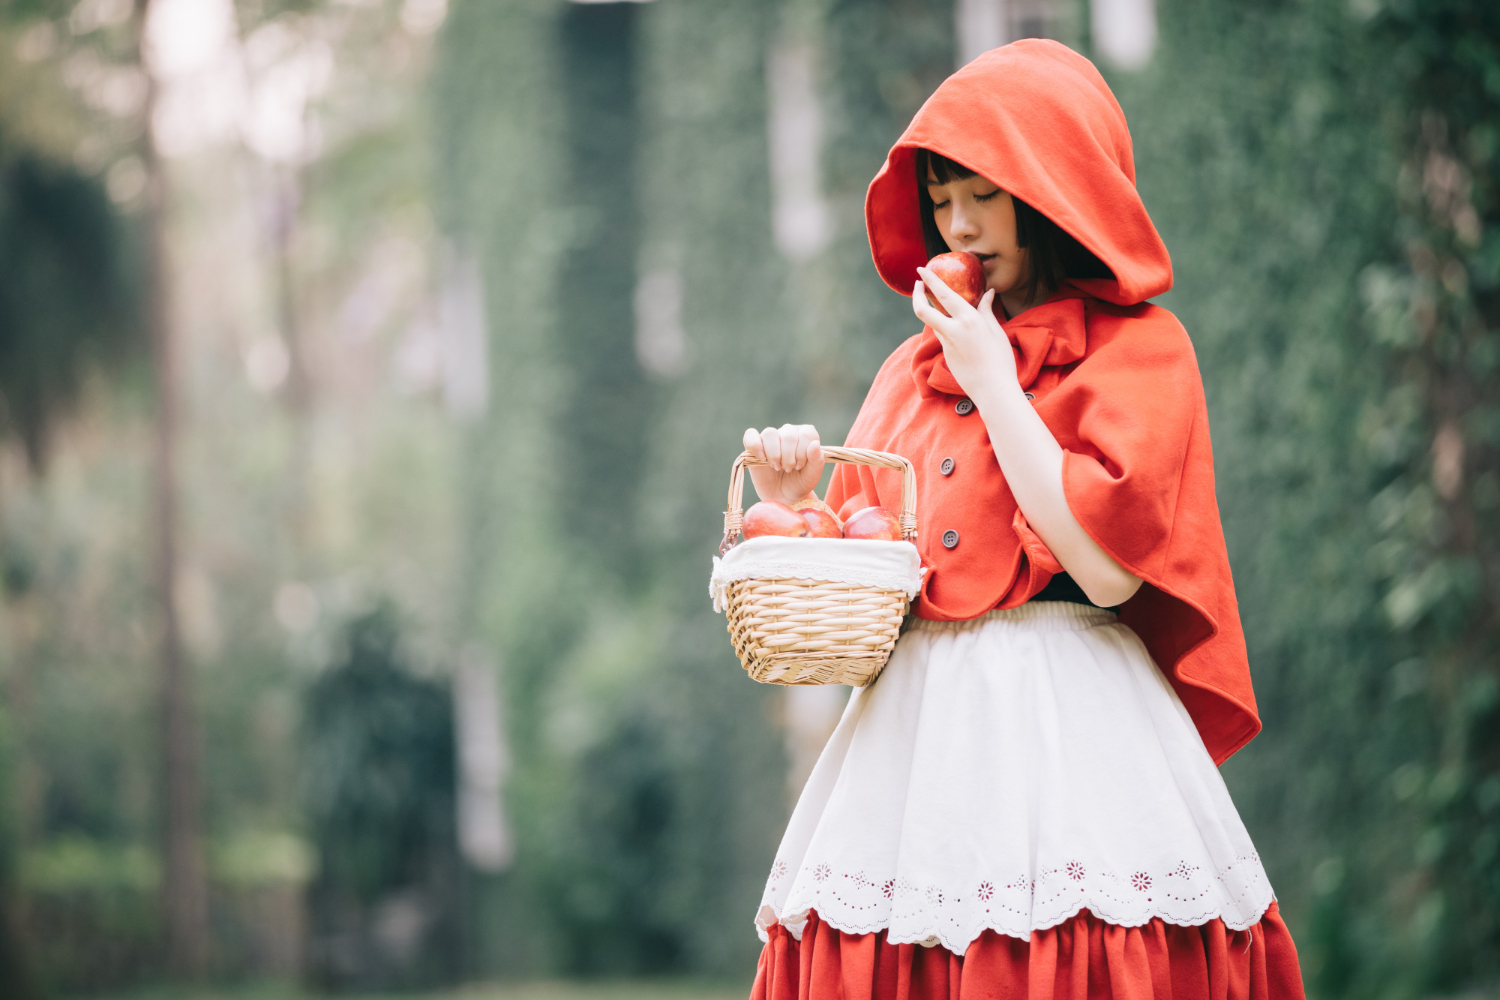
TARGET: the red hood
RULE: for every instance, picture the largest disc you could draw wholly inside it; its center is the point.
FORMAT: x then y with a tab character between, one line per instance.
1037	119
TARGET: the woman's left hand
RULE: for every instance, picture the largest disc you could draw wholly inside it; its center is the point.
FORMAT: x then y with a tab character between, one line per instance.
976	348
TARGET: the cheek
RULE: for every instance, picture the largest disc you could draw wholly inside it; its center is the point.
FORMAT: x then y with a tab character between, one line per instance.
1002	222
1006	271
943	219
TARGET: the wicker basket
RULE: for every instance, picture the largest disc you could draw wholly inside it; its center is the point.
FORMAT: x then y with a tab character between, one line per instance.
796	631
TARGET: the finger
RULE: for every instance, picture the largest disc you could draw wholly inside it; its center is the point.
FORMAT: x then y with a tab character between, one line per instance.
939	290
928	313
796	445
789	446
809	442
924	309
932	318
949	299
812	453
752	443
771	440
987	311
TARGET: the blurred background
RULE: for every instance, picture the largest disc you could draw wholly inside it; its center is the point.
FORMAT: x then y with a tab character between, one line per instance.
370	375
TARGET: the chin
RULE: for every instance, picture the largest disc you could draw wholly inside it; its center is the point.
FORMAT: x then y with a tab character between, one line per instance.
1003	280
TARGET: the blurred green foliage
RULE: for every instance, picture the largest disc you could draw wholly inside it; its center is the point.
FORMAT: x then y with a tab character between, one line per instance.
1448	597
596	612
634	989
273	496
66	296
379	800
379	775
1324	176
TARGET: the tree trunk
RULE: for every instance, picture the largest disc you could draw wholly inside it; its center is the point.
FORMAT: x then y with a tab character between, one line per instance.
20	785
184	886
15	968
285	193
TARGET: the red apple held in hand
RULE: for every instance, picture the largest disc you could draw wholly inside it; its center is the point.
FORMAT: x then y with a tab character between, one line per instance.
772	517
961	272
873	524
820	523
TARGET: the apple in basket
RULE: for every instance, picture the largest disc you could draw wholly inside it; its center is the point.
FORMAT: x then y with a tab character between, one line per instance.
961	272
873	524
772	517
820	523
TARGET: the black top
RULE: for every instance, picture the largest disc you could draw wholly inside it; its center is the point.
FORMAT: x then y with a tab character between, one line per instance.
1063	587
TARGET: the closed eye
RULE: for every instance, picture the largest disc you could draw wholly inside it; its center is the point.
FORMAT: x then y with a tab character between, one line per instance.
986	197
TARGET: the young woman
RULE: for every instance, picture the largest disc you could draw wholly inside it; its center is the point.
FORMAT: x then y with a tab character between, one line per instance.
1026	803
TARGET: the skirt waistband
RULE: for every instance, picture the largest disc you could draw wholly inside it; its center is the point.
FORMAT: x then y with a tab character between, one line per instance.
1035	615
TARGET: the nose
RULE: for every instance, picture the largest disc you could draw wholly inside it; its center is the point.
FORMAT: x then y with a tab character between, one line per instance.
963	223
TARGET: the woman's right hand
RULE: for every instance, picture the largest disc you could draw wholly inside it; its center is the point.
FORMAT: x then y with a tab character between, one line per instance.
795	461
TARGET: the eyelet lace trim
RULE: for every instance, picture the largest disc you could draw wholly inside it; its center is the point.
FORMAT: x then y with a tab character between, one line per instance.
953	916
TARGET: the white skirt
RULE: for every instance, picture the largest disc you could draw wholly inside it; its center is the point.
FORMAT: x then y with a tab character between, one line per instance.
1004	774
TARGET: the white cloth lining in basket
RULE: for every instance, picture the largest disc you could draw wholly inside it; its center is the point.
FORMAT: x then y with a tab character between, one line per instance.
886	565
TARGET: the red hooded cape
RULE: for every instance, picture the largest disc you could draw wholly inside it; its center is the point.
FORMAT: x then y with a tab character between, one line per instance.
1113	377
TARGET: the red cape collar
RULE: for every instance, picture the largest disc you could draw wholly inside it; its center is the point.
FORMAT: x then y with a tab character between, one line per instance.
1045	336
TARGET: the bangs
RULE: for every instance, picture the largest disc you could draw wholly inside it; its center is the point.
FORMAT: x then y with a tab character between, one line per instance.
940	167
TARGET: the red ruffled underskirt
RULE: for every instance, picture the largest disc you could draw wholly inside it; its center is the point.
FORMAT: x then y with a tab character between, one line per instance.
1083	958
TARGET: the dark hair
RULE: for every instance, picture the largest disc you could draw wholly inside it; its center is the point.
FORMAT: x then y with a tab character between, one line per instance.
1055	255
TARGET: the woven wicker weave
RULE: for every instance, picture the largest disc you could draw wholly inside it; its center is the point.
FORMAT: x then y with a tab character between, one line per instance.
789	631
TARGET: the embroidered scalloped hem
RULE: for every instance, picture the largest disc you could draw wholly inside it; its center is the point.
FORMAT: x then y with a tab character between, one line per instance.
767	917
859	903
1081	957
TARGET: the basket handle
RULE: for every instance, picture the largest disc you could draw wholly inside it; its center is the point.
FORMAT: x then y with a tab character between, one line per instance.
734	516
